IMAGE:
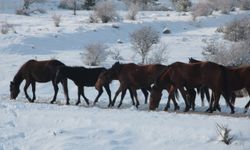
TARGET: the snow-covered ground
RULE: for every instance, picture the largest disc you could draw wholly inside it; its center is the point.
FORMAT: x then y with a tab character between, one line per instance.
26	126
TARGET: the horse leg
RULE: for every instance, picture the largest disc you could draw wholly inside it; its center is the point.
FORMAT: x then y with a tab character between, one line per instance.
132	96
206	91
246	107
83	95
55	86
192	94
65	89
79	92
27	84
122	97
33	85
120	89
99	94
202	96
233	98
216	102
170	96
136	97
109	94
184	95
211	104
248	104
145	92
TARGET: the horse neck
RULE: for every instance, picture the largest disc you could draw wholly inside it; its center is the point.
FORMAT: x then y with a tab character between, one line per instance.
18	78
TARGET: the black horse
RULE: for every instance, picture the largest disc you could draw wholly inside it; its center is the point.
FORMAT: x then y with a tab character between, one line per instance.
37	71
82	76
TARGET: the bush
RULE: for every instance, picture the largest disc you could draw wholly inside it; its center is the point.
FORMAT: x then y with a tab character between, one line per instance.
225	6
235	55
27	3
105	10
244	4
202	9
142	41
6	27
182	5
159	54
57	20
94	54
72	5
224	134
237	30
132	11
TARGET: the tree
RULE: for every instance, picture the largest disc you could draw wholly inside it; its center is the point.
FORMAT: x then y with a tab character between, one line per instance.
27	3
105	10
94	53
142	41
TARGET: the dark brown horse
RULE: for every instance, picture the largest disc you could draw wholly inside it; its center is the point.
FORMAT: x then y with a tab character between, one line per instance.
203	91
238	78
133	77
37	71
82	76
181	75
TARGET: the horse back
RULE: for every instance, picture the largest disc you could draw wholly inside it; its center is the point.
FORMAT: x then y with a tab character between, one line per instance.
40	71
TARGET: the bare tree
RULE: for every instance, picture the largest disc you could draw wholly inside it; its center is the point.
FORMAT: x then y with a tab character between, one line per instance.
105	10
202	9
57	20
142	41
159	54
132	11
71	4
27	3
94	54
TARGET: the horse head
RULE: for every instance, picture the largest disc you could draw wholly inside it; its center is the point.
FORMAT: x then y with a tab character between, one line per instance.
14	90
155	97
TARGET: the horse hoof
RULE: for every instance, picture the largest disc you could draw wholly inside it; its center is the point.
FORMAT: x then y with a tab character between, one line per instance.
52	102
165	109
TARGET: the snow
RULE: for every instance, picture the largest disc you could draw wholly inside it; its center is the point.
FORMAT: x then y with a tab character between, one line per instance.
42	126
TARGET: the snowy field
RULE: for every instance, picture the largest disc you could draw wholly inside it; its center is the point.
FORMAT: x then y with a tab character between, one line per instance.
42	126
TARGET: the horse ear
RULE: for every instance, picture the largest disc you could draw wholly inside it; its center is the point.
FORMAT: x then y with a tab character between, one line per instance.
11	83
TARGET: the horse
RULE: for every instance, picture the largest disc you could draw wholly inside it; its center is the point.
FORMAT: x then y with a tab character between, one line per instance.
238	79
133	77
237	92
82	76
37	71
203	91
181	75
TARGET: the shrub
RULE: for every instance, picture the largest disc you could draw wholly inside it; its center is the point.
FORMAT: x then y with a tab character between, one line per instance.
71	4
159	54
182	5
225	6
132	11
244	4
237	30
142	41
224	134
235	55
94	54
105	10
57	20
202	9
27	3
6	27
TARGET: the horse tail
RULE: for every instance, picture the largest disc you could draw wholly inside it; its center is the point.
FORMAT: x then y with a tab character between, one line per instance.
226	89
58	77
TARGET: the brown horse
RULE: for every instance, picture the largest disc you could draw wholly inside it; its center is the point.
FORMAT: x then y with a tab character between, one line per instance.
203	91
182	75
37	71
133	77
238	78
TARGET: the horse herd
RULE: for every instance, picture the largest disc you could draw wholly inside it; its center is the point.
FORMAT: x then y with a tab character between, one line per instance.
153	78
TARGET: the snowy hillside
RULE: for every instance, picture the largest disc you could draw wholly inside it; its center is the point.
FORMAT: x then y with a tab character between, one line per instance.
42	126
